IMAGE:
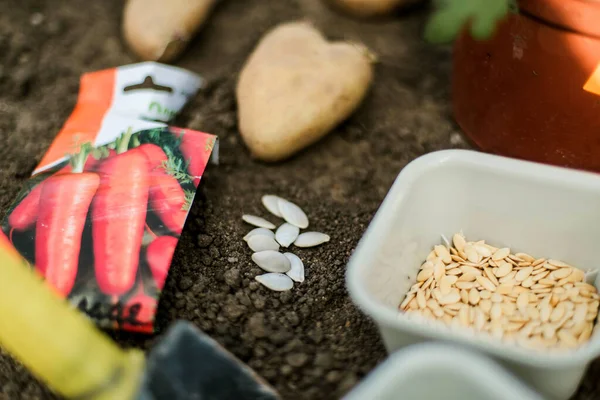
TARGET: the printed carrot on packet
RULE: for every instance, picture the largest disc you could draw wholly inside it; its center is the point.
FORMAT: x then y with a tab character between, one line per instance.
105	208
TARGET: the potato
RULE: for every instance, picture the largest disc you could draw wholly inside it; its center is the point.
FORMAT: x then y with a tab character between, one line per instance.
369	8
296	86
159	30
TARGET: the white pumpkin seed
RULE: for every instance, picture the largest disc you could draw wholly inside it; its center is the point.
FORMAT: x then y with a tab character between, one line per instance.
297	270
272	261
271	203
293	214
257	221
310	239
260	231
275	281
261	243
286	234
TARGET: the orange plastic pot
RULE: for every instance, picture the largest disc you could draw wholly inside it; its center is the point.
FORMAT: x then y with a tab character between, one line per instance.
533	91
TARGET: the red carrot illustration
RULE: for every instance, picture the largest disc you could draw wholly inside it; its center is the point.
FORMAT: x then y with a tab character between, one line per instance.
25	213
196	150
159	255
118	216
167	199
64	203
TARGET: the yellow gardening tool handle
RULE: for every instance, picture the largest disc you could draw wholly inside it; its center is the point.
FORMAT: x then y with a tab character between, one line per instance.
57	343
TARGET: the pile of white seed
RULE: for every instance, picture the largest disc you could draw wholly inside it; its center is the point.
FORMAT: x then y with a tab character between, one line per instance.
282	268
533	302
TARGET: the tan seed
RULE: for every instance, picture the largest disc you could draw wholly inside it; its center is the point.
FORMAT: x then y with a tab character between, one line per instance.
541	272
496	312
467	269
453	306
501	254
558	263
482	250
474	297
450	298
508	309
485	305
442	253
424	274
463	315
447	319
562	273
472	254
533	312
465	285
453	251
413	305
545	312
490	276
503	269
509	278
525	257
537	262
411	296
566	337
452	266
446	284
439	270
523	274
524	264
485	294
467	277
523	302
464	296
586	333
497	298
504	288
548	331
421	300
486	283
427	283
439	312
459	241
454	272
557	313
591	316
457	258
527	283
547	282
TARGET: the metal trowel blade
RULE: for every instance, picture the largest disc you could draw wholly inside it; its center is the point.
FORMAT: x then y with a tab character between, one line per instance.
188	364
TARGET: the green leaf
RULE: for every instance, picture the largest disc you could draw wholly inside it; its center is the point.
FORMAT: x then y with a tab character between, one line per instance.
452	16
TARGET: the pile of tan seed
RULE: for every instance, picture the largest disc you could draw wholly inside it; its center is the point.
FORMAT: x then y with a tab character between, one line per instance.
535	303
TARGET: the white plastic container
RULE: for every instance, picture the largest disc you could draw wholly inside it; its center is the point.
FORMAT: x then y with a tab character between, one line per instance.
436	371
544	211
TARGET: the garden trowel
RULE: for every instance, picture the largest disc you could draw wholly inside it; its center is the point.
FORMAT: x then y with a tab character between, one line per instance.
63	348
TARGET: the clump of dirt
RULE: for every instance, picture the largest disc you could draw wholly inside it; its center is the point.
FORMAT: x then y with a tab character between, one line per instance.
311	342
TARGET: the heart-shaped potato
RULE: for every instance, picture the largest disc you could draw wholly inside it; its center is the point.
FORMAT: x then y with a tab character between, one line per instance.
296	86
158	30
369	8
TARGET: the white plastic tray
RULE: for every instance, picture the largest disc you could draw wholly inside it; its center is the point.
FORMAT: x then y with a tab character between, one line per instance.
436	371
544	211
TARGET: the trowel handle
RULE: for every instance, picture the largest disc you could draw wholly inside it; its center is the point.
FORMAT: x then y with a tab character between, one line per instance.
56	342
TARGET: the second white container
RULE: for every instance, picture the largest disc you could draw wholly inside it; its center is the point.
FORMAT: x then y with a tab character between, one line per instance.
541	210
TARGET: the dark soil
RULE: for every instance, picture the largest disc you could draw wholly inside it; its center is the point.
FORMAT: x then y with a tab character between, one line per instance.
311	342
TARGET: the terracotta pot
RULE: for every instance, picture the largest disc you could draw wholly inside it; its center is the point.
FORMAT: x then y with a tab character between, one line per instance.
532	91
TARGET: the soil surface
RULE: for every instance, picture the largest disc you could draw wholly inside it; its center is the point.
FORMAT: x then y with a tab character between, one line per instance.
311	342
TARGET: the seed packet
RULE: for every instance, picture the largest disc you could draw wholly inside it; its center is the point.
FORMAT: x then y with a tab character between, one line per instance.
102	214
